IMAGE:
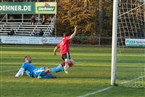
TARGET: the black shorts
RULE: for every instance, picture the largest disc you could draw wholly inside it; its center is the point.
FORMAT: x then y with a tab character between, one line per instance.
66	56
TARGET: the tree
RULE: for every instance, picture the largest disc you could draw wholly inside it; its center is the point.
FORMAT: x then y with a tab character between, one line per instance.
75	13
84	14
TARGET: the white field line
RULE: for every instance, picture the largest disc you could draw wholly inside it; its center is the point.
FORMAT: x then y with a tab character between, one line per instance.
8	70
98	91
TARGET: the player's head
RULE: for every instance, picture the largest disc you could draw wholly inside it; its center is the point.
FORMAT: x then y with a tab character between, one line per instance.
28	59
66	34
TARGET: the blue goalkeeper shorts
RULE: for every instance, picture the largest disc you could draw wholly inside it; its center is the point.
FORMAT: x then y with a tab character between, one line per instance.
40	72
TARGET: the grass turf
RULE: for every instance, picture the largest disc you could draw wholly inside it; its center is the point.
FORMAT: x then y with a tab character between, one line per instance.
91	73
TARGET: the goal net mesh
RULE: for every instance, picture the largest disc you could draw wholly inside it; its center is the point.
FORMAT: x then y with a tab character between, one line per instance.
131	44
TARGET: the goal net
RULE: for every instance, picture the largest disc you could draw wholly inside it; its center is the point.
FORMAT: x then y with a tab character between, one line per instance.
130	68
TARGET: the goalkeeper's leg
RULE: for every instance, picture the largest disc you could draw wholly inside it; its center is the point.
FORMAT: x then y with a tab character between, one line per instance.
59	68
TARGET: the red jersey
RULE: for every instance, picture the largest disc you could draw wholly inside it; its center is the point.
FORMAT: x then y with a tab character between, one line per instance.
64	45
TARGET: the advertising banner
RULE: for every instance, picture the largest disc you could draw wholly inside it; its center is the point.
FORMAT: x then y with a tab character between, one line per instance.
47	7
135	42
28	7
29	40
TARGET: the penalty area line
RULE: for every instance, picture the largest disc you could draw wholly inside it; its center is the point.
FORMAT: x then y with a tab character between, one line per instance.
98	91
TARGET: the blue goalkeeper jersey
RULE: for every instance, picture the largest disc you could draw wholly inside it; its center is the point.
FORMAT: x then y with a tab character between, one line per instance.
35	72
29	68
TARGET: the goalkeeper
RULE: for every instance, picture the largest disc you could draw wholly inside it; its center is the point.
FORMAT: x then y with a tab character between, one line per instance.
43	72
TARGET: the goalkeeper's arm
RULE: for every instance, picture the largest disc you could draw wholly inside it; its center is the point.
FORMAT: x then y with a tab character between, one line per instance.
20	72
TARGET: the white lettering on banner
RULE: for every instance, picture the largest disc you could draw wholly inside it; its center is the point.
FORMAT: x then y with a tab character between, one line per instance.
15	8
135	42
0	7
27	8
55	40
19	8
44	9
29	40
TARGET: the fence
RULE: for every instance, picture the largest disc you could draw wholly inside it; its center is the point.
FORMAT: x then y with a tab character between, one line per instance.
92	40
78	40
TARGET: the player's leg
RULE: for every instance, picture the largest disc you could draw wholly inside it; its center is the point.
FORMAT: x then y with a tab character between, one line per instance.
67	61
71	62
66	66
47	70
39	72
46	73
59	68
46	76
54	69
43	72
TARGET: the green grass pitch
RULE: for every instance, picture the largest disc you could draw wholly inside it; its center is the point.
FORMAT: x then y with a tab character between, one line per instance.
91	73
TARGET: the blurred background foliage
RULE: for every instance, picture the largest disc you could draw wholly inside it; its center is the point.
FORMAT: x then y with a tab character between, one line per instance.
92	17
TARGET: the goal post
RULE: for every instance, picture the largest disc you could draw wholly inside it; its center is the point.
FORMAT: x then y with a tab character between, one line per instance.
128	43
114	41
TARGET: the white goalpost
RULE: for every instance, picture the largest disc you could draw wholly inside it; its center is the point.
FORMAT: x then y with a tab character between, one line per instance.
128	43
114	41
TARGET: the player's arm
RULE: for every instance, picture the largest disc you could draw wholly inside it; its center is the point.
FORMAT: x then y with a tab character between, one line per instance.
20	72
54	51
74	33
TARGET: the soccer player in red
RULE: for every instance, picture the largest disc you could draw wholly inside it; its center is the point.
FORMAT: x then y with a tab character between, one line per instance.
64	49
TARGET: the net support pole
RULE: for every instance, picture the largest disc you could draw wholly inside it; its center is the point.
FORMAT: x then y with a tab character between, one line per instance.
114	42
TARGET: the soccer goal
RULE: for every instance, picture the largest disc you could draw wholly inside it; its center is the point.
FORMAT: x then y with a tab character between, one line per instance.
128	45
